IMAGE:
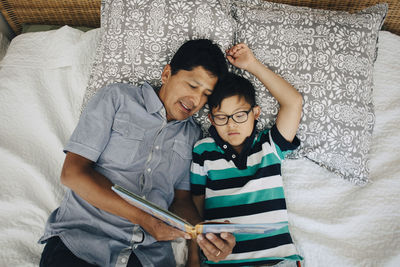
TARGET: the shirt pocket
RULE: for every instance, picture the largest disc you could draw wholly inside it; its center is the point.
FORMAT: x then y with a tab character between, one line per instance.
180	161
124	142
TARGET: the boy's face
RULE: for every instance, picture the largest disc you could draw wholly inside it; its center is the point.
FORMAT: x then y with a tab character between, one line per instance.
185	92
235	133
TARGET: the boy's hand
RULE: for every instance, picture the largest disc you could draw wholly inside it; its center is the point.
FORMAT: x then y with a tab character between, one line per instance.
241	56
162	231
216	248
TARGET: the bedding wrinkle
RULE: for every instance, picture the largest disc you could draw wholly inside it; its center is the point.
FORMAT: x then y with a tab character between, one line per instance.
22	195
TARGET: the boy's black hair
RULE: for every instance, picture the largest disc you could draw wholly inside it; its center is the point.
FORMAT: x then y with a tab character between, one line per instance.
231	85
200	52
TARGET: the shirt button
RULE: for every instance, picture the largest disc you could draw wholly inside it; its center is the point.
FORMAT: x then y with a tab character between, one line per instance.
123	260
233	156
157	147
224	146
148	170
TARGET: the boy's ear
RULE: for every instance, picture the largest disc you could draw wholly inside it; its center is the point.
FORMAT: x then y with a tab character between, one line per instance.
210	119
166	74
257	112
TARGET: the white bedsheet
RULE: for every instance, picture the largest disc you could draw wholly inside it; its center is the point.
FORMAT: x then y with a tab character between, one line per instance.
333	222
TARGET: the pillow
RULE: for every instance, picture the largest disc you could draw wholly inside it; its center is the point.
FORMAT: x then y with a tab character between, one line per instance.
140	37
328	56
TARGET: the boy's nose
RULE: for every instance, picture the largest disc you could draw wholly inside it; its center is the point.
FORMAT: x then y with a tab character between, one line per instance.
231	123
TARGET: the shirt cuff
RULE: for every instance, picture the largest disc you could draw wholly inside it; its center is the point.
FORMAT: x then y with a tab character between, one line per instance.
283	144
82	150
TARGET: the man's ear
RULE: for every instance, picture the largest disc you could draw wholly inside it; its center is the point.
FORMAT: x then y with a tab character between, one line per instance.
166	73
210	119
257	112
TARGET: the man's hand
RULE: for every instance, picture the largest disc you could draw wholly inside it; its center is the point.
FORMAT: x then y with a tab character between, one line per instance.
161	231
216	248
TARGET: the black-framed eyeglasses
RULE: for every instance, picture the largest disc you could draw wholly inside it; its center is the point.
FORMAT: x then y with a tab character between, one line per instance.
238	117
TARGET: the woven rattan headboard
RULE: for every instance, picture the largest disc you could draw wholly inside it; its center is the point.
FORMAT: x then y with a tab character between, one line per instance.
52	12
87	12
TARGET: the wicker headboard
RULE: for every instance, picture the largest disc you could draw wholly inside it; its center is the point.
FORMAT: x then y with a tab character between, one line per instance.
87	12
51	12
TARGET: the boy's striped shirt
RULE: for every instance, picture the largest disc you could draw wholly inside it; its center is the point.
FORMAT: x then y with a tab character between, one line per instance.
246	188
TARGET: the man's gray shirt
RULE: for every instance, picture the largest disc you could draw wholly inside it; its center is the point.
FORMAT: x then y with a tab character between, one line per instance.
124	130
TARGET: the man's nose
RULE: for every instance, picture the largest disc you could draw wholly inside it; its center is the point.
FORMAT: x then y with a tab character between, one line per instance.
197	99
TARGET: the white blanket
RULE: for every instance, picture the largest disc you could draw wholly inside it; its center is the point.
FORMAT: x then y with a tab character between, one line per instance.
42	82
337	224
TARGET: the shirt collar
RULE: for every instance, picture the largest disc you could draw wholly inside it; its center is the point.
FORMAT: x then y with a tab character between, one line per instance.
152	102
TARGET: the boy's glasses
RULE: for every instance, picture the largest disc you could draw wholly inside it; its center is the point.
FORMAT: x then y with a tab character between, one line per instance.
238	117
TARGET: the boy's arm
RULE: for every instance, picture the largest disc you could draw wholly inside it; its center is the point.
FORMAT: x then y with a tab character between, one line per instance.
189	212
79	175
183	206
193	255
194	259
199	203
290	100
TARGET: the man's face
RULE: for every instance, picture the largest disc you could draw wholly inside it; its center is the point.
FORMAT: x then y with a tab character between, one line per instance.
185	92
235	133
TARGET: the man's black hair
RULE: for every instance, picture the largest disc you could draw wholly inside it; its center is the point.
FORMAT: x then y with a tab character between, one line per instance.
231	85
200	52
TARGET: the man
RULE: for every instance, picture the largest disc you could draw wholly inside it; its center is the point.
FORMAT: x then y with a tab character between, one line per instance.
141	139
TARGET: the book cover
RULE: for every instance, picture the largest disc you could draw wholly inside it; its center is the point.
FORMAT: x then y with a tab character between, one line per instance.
180	223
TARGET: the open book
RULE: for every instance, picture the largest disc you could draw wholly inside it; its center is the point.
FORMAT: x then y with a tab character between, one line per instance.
207	227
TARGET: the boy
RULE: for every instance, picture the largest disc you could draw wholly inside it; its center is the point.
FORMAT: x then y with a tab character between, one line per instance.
236	173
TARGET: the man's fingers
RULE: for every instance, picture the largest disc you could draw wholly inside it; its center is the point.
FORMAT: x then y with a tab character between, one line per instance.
168	233
216	248
177	233
229	238
217	242
206	245
209	250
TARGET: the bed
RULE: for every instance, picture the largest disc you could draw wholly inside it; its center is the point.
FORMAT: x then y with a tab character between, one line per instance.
336	219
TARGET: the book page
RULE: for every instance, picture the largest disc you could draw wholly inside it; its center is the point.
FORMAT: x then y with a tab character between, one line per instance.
151	208
257	228
206	227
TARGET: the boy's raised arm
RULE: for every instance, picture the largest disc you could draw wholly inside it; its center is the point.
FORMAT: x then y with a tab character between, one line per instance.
289	99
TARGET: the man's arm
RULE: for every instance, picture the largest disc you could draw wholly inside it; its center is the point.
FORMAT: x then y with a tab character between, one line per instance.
214	247
78	174
290	100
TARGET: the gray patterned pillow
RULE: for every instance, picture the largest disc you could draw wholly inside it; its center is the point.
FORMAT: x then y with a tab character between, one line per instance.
140	37
328	56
